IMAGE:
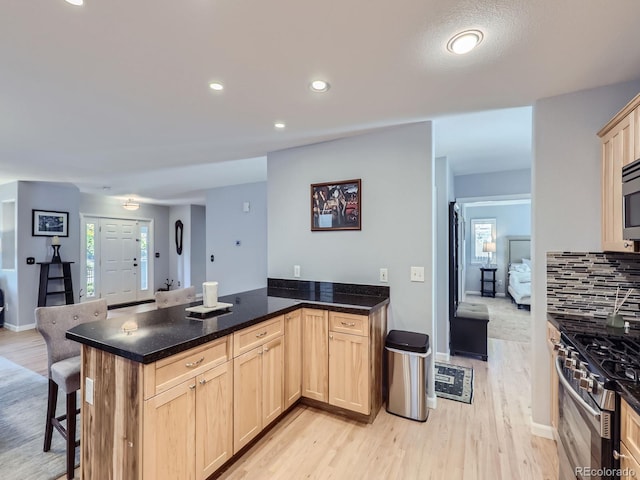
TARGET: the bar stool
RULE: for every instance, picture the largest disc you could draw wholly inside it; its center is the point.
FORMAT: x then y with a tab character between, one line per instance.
171	298
64	366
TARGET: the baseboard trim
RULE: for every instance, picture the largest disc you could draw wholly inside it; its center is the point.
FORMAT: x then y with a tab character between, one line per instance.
442	357
544	431
432	402
19	328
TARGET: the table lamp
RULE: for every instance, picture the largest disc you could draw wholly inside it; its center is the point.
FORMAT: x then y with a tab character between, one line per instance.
490	248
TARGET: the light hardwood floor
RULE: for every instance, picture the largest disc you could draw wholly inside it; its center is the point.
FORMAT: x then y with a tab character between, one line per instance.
489	439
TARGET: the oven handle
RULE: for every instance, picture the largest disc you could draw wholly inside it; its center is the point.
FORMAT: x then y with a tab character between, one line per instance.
572	392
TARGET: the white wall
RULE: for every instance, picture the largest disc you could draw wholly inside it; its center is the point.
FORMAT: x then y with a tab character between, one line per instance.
510	220
566	199
396	167
510	182
243	267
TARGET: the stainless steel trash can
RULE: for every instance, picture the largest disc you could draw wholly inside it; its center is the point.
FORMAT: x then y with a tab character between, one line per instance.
407	354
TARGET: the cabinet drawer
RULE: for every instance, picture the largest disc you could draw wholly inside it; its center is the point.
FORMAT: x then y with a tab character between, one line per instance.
173	370
630	429
349	323
251	337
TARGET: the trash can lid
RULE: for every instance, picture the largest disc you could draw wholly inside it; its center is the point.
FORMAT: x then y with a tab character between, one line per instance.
408	341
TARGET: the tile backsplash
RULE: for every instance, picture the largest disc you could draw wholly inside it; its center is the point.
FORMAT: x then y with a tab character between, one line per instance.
585	283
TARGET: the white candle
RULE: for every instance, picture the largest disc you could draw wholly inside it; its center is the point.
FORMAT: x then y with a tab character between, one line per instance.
55	240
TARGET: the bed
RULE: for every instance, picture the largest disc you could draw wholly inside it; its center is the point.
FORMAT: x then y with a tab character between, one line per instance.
519	271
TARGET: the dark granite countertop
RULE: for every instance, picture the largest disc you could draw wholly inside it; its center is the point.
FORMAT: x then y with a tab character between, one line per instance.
165	332
567	323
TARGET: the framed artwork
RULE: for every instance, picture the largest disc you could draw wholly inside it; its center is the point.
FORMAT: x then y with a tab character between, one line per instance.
47	223
336	206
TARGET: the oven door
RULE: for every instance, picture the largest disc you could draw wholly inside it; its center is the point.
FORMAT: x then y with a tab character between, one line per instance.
585	433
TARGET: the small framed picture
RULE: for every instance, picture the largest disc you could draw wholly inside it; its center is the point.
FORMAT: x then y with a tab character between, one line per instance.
47	223
336	206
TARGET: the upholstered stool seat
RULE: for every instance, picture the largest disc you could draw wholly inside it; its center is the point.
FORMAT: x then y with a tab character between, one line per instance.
64	367
171	298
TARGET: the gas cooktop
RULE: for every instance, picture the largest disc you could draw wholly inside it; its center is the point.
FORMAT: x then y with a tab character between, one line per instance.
617	357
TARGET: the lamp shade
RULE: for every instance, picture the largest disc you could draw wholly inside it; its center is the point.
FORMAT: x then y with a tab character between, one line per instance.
489	247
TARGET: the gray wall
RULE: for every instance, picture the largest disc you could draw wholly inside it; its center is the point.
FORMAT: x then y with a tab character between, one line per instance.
396	167
44	196
510	182
566	198
9	277
180	265
444	194
198	246
510	220
243	267
101	206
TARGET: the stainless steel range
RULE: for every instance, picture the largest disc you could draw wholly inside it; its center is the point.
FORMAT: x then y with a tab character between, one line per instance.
589	367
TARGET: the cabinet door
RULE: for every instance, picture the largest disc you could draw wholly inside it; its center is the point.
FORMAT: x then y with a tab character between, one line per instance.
315	354
617	151
629	467
247	397
553	337
293	358
214	419
349	372
272	380
169	433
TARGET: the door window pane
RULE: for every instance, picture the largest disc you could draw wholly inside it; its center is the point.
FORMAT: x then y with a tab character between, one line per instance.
91	259
144	257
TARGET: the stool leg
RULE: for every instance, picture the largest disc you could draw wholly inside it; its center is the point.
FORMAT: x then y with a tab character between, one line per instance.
71	434
52	399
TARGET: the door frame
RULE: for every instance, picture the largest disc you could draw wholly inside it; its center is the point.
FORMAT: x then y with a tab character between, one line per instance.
83	255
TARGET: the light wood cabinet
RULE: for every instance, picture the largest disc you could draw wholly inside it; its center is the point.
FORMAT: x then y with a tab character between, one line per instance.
629	441
349	372
292	357
553	337
258	389
620	146
315	354
188	428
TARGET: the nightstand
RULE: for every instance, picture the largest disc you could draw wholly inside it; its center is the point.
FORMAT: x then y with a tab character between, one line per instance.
488	281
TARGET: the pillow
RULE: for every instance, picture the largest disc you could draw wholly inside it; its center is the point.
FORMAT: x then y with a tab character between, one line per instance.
527	262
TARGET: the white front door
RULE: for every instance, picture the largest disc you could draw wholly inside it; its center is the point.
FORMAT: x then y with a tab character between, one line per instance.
116	259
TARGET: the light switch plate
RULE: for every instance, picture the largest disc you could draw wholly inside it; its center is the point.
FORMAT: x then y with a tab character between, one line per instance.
296	271
417	274
384	275
88	390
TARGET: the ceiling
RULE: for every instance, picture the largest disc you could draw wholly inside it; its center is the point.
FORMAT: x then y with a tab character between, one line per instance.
115	93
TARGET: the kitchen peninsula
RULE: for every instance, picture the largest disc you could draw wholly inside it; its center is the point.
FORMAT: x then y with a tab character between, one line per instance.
166	395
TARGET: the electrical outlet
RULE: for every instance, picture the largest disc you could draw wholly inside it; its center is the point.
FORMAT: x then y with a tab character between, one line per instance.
296	271
384	275
178	282
417	274
88	390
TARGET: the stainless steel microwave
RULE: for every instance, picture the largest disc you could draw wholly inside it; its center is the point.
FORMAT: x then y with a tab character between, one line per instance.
631	200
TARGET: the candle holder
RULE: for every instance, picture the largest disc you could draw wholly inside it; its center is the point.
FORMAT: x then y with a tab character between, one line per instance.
56	254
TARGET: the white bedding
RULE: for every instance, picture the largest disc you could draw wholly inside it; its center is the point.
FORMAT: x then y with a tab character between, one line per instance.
520	283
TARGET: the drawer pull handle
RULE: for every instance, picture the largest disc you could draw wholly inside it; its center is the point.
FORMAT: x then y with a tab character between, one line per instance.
266	349
192	387
348	324
260	335
203	381
193	364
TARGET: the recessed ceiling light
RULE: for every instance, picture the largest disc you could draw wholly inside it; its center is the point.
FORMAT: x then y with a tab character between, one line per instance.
77	3
464	42
279	125
319	86
216	86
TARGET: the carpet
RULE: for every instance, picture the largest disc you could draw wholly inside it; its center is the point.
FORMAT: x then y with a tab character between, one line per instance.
506	321
454	382
23	407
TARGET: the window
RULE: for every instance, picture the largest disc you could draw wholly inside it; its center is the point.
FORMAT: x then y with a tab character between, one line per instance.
90	261
482	230
144	257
